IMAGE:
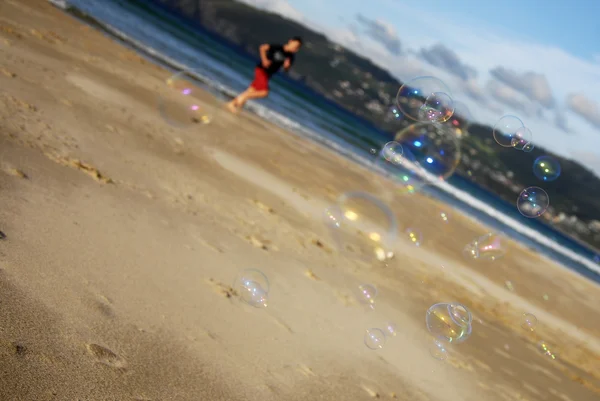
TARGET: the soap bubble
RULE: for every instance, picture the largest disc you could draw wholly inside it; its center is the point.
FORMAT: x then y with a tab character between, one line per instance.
533	202
392	152
374	339
490	246
366	294
438	350
528	322
546	350
253	288
425	99
449	322
522	138
362	226
180	103
546	168
391	328
430	153
505	130
394	114
596	259
438	107
414	236
528	148
445	217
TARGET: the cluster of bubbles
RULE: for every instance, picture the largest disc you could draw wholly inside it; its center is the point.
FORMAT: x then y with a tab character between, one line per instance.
365	228
533	201
448	323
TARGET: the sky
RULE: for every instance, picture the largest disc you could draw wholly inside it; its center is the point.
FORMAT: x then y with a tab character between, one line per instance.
537	60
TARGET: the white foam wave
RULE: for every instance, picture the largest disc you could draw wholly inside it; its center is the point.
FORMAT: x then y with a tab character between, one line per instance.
341	148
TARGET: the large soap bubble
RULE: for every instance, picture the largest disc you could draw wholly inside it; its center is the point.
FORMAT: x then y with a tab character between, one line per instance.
425	154
362	226
425	99
450	322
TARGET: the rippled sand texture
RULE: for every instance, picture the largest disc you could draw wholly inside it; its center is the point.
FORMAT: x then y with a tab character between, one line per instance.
123	237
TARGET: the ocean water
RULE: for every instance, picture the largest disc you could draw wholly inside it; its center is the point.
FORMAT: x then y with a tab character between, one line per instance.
225	71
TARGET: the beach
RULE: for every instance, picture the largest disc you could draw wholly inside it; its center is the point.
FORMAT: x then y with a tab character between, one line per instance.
124	236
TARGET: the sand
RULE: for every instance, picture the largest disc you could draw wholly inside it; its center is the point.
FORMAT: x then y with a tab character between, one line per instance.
123	236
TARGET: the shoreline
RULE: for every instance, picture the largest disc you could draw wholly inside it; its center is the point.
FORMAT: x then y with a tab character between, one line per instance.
134	266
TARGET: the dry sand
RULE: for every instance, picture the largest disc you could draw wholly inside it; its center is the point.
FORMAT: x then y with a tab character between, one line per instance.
123	236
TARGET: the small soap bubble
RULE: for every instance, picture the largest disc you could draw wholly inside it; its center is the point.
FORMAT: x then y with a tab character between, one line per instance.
528	148
374	339
546	168
444	217
362	226
253	288
509	286
546	350
391	329
490	246
596	259
367	294
180	103
438	107
449	322
528	322
414	236
438	350
533	202
506	129
425	99
392	152
522	138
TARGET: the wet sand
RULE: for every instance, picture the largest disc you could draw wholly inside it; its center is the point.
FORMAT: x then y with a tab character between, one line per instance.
124	236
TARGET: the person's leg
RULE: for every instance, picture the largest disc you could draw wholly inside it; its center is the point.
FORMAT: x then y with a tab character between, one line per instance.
250	94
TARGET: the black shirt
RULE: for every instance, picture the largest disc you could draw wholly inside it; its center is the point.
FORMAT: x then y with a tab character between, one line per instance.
277	55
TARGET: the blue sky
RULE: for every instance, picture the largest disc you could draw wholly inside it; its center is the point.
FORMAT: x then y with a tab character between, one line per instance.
537	60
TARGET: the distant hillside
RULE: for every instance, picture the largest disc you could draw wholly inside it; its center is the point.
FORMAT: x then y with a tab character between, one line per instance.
368	91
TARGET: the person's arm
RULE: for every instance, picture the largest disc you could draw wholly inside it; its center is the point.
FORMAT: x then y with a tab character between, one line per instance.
263	49
287	64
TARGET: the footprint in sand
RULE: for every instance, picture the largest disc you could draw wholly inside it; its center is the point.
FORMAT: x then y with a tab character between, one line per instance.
106	357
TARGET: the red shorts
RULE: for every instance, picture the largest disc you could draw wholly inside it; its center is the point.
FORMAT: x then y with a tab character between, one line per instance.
261	80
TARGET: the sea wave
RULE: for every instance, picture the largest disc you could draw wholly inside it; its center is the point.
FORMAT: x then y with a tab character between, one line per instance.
339	147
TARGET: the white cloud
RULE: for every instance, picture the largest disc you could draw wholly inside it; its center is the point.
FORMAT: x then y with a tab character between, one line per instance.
281	7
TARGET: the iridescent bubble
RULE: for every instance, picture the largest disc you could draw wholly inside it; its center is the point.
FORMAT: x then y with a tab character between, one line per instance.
461	119
430	154
374	339
438	350
391	329
367	294
438	107
392	152
180	102
522	138
449	322
425	99
546	350
528	321
533	202
546	168
490	246
506	129
414	236
362	226
528	148
253	288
